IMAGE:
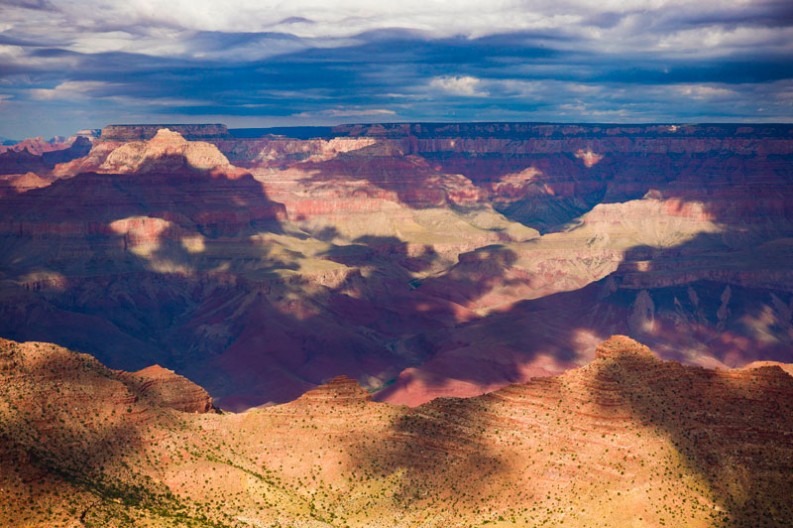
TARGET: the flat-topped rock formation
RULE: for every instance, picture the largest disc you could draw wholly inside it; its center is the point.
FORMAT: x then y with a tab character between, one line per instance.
144	132
520	130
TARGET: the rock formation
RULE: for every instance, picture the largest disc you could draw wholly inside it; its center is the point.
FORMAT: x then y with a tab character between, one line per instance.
31	163
166	151
628	439
36	146
422	260
79	148
145	132
165	388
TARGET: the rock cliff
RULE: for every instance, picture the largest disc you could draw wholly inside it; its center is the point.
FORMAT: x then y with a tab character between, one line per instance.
144	132
165	388
166	151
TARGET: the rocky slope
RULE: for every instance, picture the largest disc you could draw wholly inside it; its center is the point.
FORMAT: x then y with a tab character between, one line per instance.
31	164
627	440
420	259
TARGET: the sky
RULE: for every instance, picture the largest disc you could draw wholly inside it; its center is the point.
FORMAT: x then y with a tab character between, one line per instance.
67	65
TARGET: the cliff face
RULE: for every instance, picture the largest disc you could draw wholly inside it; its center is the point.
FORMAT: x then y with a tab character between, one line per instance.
165	388
546	175
144	132
520	130
422	260
31	163
166	151
627	438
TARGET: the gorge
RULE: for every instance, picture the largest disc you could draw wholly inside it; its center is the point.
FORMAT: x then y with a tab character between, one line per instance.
398	325
422	260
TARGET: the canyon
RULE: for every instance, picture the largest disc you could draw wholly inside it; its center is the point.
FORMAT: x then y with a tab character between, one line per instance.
421	260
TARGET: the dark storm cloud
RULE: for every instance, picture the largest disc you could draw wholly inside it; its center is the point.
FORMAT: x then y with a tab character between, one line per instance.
772	13
296	20
565	61
339	72
730	71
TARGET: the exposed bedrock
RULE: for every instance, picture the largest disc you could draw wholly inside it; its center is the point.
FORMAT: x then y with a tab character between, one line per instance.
420	260
625	437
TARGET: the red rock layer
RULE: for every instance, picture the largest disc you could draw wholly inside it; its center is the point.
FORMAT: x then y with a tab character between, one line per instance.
165	388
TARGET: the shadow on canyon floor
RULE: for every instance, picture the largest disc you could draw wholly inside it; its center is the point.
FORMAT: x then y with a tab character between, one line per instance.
155	267
129	250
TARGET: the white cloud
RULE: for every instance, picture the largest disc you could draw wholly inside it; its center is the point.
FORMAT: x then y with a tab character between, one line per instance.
86	90
68	90
348	112
703	91
584	110
719	38
144	26
464	85
11	52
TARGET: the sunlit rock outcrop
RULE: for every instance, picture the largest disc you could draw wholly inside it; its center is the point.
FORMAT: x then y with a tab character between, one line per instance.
627	438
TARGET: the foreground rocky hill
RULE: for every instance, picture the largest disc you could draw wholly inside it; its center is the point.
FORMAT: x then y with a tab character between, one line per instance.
627	440
423	260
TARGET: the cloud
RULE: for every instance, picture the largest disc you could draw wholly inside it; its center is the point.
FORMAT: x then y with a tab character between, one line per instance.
30	4
247	60
348	112
704	92
93	25
465	85
68	90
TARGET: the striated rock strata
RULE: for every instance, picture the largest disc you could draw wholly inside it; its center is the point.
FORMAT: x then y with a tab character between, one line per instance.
165	388
144	132
423	260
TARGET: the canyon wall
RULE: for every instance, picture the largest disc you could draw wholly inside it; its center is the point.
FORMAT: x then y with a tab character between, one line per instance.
422	260
141	132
